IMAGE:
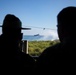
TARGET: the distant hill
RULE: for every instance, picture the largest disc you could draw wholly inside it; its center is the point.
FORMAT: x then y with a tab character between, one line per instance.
39	37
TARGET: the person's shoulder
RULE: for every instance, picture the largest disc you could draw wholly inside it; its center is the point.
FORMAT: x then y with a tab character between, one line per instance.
53	48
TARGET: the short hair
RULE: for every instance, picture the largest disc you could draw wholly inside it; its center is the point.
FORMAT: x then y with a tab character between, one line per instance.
67	15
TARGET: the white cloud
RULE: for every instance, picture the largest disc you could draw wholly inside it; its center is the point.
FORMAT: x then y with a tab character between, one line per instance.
49	34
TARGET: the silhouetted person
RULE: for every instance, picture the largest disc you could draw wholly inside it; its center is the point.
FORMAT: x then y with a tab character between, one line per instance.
12	58
61	58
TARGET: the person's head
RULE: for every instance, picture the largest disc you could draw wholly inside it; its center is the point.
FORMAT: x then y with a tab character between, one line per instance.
12	27
66	20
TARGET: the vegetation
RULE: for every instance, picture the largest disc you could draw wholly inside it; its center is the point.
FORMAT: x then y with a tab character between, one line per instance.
35	48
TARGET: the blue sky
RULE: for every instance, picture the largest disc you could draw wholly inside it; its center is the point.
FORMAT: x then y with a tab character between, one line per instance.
35	14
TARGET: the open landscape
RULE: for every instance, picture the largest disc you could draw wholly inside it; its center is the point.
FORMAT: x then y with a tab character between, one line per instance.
35	48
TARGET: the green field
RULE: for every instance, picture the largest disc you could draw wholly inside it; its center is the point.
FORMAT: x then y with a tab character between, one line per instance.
35	48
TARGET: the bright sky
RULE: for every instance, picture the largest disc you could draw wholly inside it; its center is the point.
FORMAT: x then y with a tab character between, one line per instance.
35	14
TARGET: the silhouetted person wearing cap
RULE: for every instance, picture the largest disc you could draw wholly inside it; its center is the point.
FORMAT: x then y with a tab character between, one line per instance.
12	58
61	58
